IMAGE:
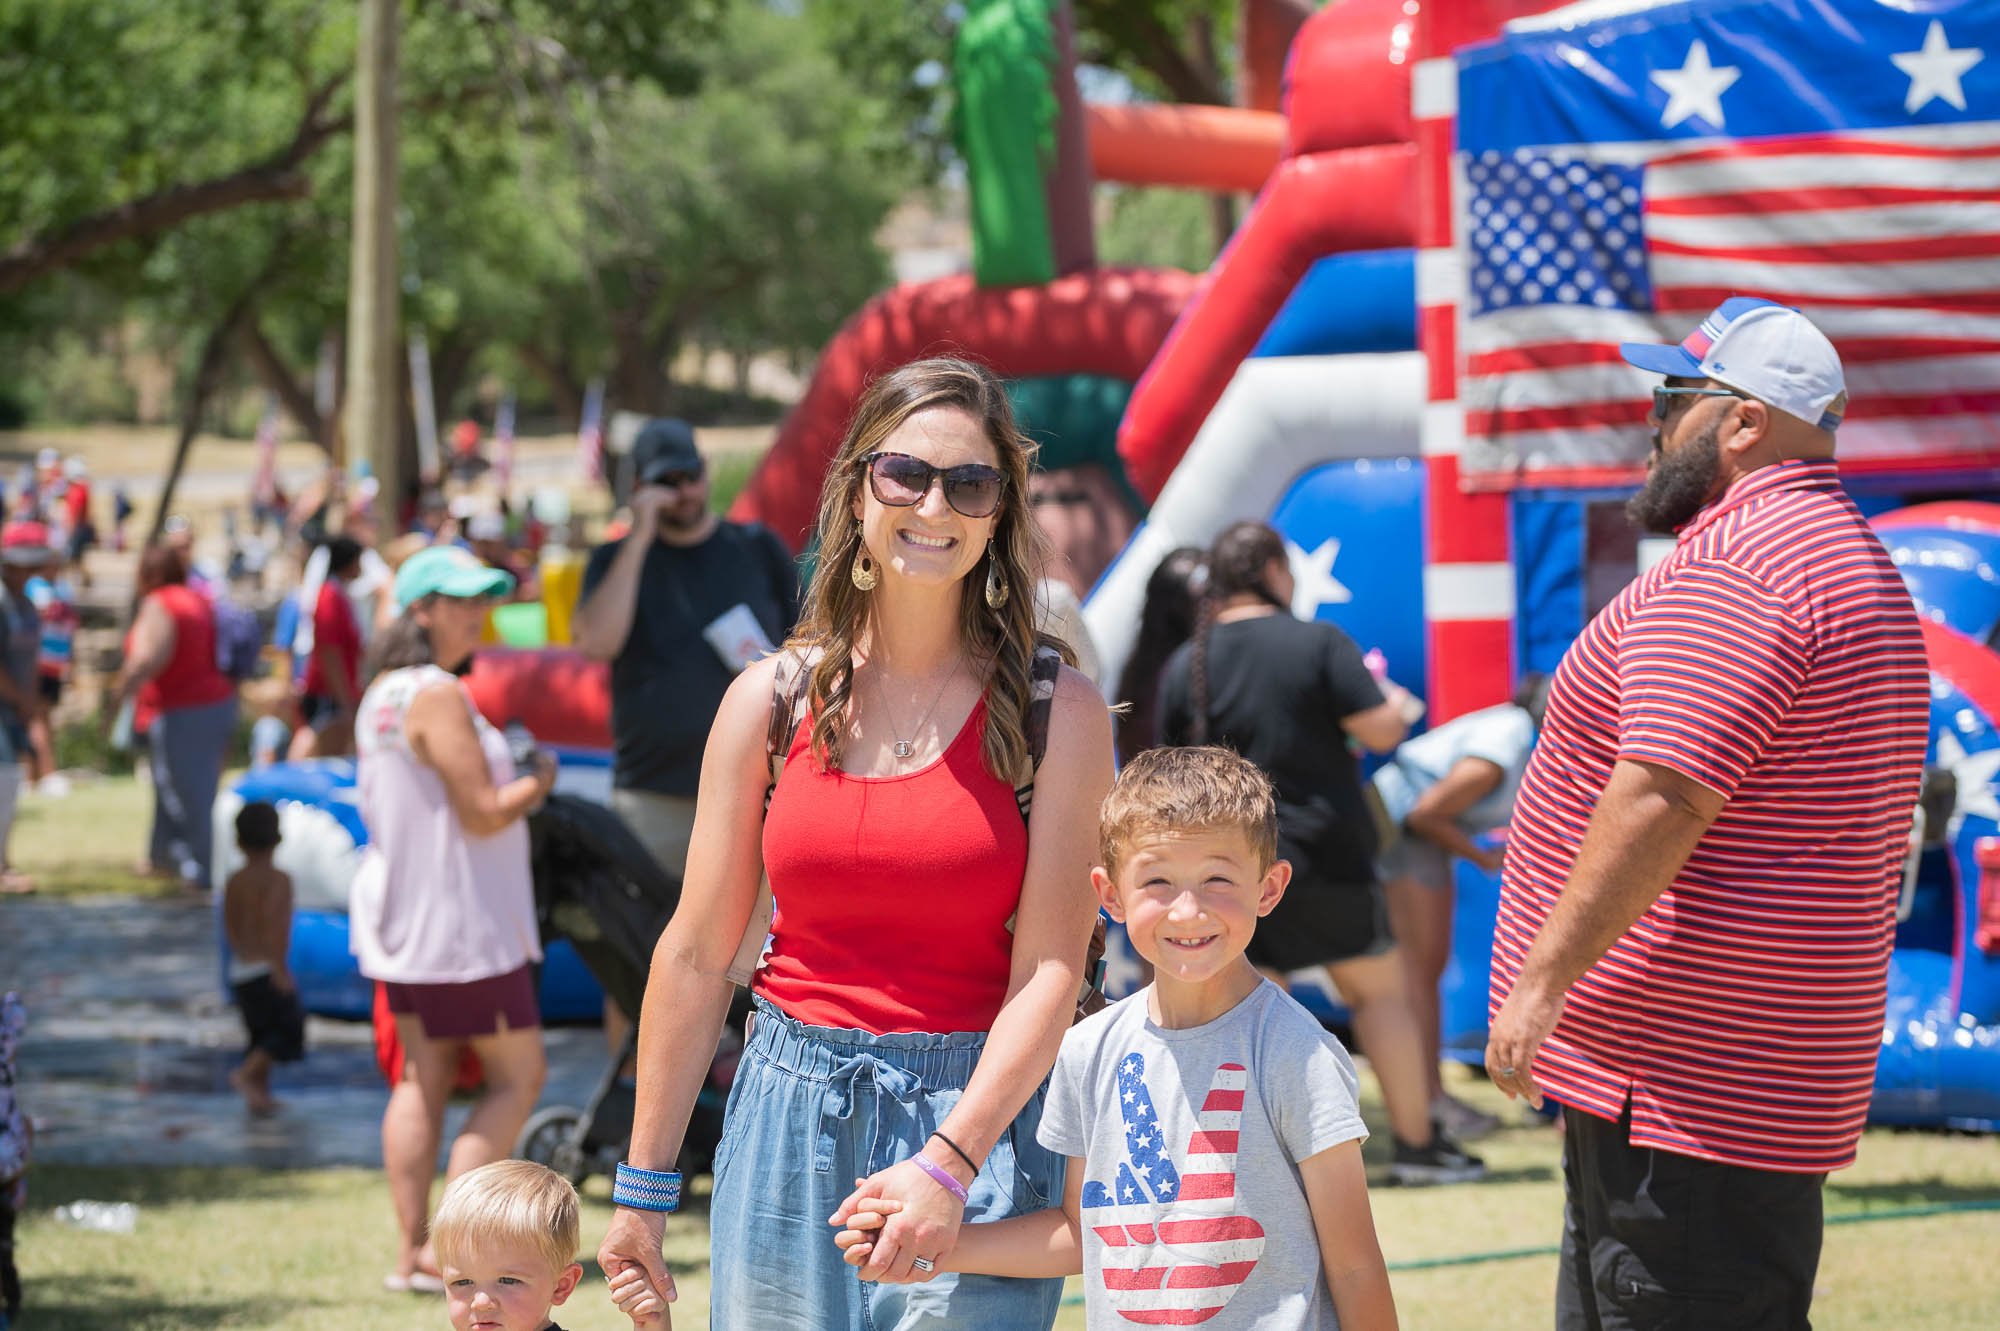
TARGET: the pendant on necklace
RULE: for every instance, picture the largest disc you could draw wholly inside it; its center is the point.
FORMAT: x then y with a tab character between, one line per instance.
903	749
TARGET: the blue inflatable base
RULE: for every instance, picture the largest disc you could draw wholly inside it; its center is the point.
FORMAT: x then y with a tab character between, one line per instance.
330	986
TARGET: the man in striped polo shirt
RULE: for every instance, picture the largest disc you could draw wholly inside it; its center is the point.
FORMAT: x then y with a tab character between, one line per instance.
1699	899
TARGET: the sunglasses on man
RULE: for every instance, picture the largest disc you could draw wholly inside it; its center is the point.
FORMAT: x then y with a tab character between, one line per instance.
674	480
901	481
1664	397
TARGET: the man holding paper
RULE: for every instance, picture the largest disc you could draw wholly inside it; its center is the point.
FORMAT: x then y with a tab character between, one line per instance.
678	607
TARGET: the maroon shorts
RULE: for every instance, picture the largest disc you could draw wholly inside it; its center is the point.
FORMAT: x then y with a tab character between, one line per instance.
473	1008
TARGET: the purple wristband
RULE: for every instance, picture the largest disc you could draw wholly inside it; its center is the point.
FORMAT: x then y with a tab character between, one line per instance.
943	1177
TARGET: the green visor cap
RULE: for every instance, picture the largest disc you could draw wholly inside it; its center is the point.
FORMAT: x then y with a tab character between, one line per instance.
446	570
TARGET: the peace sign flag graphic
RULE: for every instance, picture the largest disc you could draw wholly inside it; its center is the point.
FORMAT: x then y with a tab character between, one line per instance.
1176	1248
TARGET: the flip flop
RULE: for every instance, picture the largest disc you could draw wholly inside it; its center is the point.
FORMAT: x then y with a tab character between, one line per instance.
14	883
417	1282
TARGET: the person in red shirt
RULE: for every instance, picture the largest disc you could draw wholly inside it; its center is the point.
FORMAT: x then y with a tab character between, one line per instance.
186	706
1699	897
332	683
76	512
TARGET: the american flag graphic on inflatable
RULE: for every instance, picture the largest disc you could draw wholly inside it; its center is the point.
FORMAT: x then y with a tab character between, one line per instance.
1176	1244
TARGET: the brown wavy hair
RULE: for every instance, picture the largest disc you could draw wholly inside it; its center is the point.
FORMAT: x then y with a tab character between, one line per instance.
1000	642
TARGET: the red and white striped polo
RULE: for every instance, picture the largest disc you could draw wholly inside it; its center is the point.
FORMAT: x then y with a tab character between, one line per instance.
1774	656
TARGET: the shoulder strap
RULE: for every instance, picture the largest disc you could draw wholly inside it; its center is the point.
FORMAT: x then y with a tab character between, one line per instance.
1042	672
789	685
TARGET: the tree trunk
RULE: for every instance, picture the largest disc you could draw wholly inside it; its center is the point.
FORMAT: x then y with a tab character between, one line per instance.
275	376
638	379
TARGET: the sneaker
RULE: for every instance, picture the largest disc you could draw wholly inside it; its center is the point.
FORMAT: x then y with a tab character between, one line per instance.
1441	1161
1466	1123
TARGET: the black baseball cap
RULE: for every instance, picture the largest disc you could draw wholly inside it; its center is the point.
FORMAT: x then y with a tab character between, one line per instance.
664	446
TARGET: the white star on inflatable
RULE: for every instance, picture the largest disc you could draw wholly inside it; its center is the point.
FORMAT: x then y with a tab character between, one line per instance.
1935	69
1696	88
1313	583
1975	775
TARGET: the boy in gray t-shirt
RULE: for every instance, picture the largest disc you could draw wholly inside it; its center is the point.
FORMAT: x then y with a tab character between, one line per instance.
1213	1137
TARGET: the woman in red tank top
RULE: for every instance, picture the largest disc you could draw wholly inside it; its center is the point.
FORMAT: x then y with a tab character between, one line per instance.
186	707
927	947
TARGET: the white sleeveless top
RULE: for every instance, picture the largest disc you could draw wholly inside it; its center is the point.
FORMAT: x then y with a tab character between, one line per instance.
432	904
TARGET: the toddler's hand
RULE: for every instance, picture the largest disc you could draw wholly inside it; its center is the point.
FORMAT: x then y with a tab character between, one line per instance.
637	1299
858	1239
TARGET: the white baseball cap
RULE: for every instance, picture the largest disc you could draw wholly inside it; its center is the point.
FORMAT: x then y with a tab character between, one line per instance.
1769	351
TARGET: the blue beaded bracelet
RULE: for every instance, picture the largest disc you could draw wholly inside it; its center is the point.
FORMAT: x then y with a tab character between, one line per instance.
646	1189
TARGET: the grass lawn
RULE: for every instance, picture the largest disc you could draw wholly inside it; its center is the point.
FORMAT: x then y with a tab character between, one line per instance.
243	1248
90	840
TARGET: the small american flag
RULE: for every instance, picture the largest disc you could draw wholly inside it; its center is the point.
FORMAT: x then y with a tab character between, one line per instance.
503	442
590	433
1176	1247
1600	201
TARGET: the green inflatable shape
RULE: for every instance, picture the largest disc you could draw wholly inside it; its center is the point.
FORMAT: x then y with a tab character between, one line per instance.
1005	126
522	624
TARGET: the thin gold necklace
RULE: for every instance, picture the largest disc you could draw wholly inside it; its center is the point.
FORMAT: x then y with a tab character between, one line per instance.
906	747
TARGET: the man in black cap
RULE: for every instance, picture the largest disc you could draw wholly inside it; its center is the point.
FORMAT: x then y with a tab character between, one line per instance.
678	607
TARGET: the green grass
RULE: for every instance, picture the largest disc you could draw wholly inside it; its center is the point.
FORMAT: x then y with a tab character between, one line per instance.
242	1248
89	841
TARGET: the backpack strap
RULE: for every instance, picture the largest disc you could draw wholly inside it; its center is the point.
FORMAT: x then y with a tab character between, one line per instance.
790	683
1042	672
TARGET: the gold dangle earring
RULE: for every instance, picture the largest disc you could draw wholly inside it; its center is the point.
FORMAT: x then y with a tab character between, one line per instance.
862	571
996	586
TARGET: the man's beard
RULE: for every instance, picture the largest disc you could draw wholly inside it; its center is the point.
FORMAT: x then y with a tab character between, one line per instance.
1679	484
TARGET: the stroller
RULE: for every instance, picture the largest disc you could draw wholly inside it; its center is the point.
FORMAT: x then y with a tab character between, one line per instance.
597	887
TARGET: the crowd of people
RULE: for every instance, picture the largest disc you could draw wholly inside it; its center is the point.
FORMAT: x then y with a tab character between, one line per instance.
896	808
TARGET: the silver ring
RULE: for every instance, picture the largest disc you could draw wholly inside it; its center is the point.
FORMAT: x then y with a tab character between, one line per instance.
1506	1072
924	1264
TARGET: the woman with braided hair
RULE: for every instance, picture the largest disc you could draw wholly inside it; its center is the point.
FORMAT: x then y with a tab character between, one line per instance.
1290	695
932	885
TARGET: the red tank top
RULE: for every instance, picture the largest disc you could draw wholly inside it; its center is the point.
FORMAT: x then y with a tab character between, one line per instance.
191	678
893	893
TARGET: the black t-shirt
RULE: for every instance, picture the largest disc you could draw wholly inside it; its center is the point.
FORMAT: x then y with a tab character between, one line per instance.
668	681
1278	689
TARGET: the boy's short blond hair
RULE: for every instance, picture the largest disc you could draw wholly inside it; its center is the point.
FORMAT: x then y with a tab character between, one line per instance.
508	1201
1200	789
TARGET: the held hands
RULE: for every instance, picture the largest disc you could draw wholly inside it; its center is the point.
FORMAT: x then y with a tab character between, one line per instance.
636	1298
641	1285
857	1241
1491	861
1524	1021
924	1225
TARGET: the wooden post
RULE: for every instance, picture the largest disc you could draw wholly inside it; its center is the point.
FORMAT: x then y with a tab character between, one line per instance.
373	293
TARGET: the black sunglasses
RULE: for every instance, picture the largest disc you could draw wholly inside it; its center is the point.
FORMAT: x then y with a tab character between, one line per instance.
901	481
1663	397
674	480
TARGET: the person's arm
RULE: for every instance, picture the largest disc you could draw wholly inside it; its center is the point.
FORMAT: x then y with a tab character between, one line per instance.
603	618
1434	816
1371	710
278	929
1043	1243
153	639
688	989
441	733
1646	824
1051	931
1349	1254
1379	729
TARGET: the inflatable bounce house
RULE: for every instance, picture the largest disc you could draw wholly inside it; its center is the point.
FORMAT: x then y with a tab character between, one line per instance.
1405	358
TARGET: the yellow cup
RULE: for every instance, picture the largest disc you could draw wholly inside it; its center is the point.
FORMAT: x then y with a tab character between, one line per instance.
562	587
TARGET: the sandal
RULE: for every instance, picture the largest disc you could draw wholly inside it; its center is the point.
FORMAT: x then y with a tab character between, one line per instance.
14	883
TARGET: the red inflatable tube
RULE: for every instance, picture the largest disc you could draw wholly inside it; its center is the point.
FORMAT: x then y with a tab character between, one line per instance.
1195	147
1953	514
562	696
1347	83
1109	321
1328	203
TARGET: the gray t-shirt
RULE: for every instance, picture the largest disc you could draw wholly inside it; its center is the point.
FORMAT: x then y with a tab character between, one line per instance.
1191	1139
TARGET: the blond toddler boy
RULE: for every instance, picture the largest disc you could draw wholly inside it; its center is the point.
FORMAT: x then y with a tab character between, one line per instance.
505	1236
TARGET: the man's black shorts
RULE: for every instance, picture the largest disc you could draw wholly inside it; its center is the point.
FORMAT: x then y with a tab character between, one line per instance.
1654	1241
273	1018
